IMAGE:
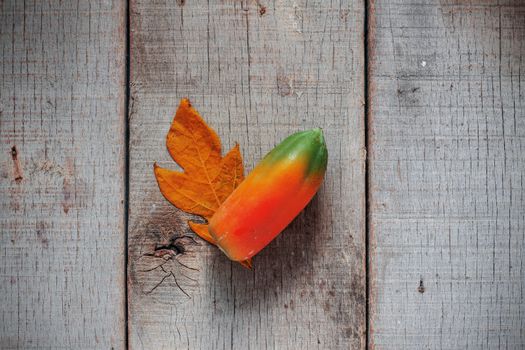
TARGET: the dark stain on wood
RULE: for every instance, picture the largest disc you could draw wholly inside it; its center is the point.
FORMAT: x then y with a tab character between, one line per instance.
407	94
262	8
343	14
16	165
421	288
405	91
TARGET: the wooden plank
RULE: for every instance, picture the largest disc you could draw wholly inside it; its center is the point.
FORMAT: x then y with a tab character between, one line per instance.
61	174
447	134
257	71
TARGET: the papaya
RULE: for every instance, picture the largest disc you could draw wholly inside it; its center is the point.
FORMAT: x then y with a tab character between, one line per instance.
271	196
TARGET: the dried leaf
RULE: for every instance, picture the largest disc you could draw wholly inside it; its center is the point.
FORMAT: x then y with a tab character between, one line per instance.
247	263
202	231
207	178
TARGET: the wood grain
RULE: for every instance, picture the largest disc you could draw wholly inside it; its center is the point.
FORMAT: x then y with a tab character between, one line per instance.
447	170
257	71
62	174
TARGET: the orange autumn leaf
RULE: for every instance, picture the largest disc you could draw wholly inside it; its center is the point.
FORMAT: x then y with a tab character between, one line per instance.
207	178
201	230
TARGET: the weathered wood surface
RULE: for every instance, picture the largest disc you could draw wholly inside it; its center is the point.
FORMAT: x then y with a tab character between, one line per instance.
62	174
447	172
257	72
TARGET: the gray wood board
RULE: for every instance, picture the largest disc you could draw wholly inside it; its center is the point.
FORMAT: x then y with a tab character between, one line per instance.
62	174
447	170
257	72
